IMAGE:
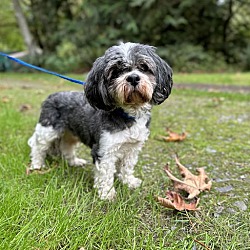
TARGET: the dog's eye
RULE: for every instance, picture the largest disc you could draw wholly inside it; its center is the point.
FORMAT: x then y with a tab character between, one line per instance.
118	71
115	73
144	67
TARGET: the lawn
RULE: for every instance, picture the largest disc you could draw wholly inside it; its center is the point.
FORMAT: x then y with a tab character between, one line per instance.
237	79
60	210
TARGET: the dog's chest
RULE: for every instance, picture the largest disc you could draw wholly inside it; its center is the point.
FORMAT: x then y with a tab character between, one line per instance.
128	138
136	133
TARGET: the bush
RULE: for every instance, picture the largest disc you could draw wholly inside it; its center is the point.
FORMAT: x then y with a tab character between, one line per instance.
65	59
183	58
190	58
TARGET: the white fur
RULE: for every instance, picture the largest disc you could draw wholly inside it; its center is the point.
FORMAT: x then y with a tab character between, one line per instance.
126	48
119	155
41	142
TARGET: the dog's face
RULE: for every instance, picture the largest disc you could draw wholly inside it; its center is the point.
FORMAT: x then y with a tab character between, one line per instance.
128	75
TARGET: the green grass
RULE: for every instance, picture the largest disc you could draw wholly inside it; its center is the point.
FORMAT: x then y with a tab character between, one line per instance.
61	210
238	79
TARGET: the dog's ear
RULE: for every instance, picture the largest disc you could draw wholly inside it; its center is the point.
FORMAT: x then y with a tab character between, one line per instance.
95	88
164	81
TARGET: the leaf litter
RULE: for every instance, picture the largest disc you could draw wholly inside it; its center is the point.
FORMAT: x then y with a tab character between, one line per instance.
192	184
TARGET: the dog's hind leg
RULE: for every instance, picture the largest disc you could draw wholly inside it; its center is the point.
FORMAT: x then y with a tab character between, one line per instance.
67	148
40	143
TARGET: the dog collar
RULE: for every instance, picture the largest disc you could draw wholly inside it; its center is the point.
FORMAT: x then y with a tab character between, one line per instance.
124	114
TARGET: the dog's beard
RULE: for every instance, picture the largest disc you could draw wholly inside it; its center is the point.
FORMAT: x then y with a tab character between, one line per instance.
127	95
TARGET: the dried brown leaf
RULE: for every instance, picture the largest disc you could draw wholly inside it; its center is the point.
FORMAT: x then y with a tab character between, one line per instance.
5	99
37	171
192	184
174	137
175	201
25	107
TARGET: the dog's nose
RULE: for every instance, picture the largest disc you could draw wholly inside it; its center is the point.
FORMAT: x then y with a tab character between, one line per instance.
133	79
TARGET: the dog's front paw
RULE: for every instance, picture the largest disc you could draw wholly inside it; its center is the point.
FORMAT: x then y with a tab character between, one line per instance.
107	195
77	162
134	182
36	167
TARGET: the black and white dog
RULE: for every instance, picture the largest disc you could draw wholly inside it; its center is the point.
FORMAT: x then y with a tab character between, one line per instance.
111	116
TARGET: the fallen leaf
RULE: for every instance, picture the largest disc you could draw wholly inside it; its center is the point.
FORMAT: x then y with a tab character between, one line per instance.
192	184
37	171
174	137
174	200
25	107
5	99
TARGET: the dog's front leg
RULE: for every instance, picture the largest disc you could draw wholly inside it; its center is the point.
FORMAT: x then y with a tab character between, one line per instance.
104	177
126	168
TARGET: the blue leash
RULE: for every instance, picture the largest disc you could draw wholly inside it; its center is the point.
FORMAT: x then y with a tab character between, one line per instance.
41	69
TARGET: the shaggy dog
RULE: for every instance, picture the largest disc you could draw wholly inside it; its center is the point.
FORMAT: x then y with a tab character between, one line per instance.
111	116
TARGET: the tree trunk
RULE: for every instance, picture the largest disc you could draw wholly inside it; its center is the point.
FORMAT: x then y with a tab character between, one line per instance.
24	28
225	31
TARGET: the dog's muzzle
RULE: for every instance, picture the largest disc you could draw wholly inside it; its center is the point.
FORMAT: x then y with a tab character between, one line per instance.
133	79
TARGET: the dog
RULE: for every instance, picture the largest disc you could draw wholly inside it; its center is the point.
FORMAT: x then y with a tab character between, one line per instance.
111	116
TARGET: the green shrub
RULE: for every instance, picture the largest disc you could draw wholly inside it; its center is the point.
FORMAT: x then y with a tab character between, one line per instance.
65	59
190	58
